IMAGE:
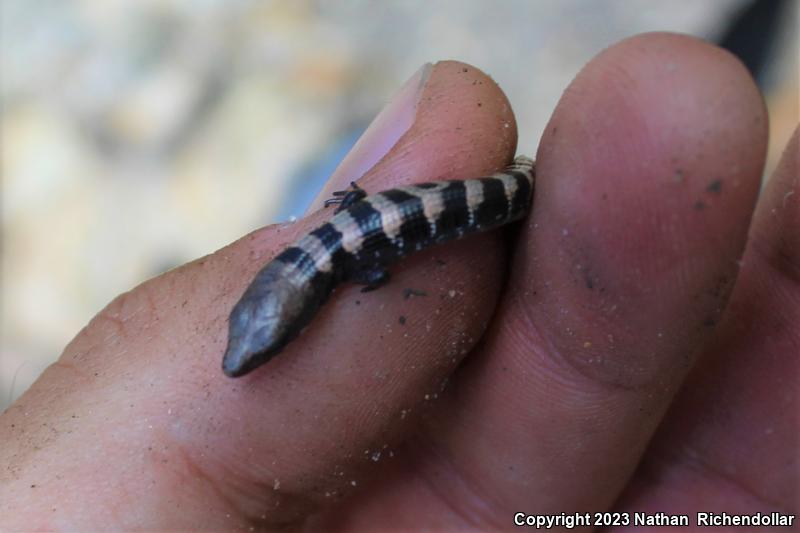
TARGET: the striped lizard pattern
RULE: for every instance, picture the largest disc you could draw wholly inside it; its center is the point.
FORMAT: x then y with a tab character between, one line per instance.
365	235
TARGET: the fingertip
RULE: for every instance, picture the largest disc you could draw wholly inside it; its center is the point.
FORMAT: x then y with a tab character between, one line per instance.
647	176
651	95
450	120
466	123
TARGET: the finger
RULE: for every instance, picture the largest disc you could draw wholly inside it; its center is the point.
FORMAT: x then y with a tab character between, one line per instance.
141	389
730	441
648	174
646	178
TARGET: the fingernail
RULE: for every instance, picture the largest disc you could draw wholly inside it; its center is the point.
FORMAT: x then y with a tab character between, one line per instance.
382	134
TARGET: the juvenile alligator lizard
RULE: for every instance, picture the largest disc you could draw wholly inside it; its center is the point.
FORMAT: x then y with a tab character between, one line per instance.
366	234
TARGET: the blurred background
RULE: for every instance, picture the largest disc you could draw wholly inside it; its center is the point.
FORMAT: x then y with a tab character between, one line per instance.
141	134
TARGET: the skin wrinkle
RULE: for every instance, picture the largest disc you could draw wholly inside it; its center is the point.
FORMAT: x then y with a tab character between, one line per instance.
569	389
130	314
585	429
596	384
526	333
475	509
251	503
695	461
193	471
772	254
74	369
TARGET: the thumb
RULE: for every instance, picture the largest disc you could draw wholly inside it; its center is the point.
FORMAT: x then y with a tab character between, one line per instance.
137	415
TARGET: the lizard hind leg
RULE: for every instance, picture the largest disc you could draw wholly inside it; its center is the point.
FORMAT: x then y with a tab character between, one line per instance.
372	278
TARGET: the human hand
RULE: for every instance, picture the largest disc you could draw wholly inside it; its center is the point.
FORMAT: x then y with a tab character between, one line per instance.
567	385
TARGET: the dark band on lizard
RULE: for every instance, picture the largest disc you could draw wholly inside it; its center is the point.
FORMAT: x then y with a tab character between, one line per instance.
366	234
